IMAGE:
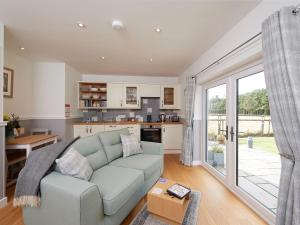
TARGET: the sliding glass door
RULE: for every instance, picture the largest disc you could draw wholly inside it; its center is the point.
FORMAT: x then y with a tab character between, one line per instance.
239	143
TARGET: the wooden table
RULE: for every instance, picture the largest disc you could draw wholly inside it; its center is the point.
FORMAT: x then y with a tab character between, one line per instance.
165	207
30	142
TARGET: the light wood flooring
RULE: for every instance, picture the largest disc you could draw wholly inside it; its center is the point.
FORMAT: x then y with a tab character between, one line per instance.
218	205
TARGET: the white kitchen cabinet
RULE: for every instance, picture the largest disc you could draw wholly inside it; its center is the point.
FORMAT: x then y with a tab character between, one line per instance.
112	127
87	130
150	90
131	96
115	96
169	97
172	135
134	129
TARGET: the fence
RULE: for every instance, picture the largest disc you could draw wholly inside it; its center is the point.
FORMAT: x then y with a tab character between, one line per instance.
248	125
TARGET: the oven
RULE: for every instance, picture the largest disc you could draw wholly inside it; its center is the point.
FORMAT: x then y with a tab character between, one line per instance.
151	133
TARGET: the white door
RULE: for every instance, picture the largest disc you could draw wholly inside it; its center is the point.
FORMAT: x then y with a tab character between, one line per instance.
81	131
169	97
172	135
115	95
131	96
134	129
96	128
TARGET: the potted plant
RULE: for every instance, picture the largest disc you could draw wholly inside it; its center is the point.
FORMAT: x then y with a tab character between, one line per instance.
221	139
218	151
13	124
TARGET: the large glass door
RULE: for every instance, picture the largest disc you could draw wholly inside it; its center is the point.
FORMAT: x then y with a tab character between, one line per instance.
239	143
216	126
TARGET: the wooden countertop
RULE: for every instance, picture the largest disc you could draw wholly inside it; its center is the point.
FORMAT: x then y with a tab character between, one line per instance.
126	123
31	139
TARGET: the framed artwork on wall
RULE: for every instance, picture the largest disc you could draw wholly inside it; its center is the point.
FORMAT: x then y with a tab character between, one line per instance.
8	81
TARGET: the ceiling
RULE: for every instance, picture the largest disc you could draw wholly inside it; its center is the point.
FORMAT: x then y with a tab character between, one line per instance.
48	31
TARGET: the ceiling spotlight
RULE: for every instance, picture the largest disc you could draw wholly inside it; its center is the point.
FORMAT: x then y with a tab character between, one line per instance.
151	60
102	57
22	48
117	25
81	25
157	29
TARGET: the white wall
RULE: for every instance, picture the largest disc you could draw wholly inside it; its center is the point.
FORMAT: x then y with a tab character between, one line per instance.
71	90
1	69
130	79
48	90
21	103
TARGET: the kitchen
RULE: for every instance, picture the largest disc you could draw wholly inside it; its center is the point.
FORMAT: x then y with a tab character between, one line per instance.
149	111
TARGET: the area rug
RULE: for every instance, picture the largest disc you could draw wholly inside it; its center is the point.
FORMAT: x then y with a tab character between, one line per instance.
190	218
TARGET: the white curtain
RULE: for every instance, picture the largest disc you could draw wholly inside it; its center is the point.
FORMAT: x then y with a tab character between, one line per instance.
281	50
188	141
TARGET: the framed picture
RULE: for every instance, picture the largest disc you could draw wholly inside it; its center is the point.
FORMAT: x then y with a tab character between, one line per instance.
8	81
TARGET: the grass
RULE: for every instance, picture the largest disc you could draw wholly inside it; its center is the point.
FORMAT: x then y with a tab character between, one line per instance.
262	143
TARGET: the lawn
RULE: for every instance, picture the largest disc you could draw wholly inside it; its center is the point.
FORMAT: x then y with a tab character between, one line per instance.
262	143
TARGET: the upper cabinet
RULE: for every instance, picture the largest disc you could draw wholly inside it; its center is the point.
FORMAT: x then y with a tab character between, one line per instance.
114	96
131	96
169	97
92	95
150	90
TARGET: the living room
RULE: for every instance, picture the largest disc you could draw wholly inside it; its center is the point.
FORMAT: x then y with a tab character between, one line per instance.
113	109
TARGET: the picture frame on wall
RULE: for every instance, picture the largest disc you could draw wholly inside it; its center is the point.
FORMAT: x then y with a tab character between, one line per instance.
8	82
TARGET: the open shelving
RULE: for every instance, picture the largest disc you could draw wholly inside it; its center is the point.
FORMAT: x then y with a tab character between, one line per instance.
92	95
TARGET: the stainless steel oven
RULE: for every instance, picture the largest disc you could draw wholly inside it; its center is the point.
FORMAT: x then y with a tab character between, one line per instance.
151	133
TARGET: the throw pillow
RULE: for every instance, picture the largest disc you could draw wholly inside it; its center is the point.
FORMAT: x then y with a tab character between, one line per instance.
75	165
130	145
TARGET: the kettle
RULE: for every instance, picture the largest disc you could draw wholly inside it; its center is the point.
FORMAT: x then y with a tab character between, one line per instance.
162	117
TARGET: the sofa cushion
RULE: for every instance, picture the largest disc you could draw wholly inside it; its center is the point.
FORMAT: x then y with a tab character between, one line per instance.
111	142
117	185
147	163
91	148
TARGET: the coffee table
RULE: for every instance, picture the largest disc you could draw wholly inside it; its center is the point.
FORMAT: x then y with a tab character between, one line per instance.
165	207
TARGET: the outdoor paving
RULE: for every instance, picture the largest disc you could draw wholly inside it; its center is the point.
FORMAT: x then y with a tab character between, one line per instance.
259	175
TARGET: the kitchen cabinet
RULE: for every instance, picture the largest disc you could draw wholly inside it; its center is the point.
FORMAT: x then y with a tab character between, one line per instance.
172	135
87	130
131	96
112	127
115	95
169	97
134	129
150	90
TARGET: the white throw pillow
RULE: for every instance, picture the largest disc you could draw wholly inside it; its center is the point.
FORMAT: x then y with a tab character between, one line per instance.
130	145
75	165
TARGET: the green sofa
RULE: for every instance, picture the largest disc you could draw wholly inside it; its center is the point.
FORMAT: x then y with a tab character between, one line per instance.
116	186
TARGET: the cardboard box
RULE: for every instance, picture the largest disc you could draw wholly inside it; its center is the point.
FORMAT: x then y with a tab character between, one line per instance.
164	206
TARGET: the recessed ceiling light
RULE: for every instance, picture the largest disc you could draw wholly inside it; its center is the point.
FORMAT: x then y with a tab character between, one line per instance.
102	57
81	25
117	25
151	60
157	29
22	48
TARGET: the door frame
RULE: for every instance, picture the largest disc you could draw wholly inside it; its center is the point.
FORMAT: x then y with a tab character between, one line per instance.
230	180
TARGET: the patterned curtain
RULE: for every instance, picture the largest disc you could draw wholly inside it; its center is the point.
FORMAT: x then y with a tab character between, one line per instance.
188	141
281	50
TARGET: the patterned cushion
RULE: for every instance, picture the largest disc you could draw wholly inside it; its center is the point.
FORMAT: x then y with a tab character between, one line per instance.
130	145
75	165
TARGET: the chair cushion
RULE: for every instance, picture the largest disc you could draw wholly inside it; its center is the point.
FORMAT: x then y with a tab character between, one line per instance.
91	148
117	185
147	163
111	142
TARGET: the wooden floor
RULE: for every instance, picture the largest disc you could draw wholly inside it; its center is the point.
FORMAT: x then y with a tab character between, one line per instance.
218	205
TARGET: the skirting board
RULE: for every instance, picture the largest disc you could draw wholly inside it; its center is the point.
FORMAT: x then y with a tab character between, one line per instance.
167	151
3	202
196	163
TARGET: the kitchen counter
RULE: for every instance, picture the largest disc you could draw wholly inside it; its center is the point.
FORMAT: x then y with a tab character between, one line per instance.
126	123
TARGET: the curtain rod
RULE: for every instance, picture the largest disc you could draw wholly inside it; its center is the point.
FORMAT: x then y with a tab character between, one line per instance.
227	54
